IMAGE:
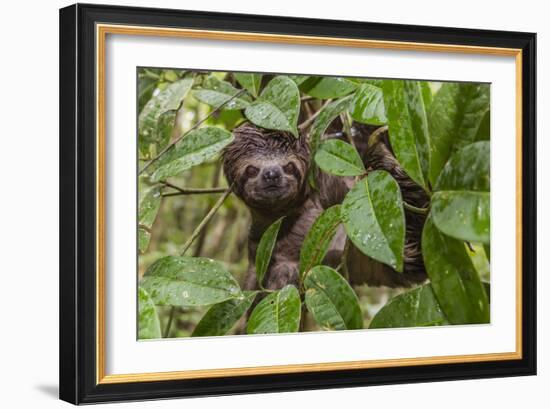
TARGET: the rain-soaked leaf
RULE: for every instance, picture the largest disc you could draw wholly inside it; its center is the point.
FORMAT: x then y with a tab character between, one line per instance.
331	300
455	117
265	248
220	318
279	312
146	86
277	107
169	99
461	205
367	106
189	281
215	93
196	147
339	158
373	216
148	209
250	81
298	79
415	308
328	114
144	236
318	239
327	87
408	127
453	277
148	319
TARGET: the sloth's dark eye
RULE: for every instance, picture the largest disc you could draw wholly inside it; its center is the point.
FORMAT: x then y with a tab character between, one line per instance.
290	168
252	171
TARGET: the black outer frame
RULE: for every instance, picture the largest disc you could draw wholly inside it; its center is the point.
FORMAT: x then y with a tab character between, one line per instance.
78	197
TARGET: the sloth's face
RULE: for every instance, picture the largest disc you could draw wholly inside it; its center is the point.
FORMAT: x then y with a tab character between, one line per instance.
267	170
269	181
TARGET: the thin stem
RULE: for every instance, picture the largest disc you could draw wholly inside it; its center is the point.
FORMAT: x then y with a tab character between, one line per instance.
205	221
414	209
191	190
312	118
189	130
347	127
169	323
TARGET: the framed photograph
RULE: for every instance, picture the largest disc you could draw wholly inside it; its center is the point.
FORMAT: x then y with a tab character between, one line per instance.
257	203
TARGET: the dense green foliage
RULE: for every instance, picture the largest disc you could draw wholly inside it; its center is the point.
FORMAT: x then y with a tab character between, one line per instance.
439	133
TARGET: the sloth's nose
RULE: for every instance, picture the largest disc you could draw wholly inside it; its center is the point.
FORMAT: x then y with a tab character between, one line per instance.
271	174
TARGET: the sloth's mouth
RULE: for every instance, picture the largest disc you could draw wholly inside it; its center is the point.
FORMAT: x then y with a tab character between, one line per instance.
272	187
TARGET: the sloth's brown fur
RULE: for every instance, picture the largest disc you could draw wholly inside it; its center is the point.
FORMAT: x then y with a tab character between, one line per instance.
301	205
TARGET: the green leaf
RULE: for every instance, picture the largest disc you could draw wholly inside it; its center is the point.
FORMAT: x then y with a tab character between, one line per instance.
169	99
408	127
484	130
327	87
279	312
215	92
189	281
149	206
249	81
148	319
146	86
318	238
277	107
195	148
144	236
415	308
265	248
331	300
373	216
453	277
461	205
339	158
328	114
220	318
148	209
368	105
427	95
455	117
298	79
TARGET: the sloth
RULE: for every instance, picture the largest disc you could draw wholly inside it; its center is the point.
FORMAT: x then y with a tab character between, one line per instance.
268	170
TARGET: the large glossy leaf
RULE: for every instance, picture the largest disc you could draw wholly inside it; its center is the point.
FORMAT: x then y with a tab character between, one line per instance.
265	248
144	237
453	277
215	93
279	312
168	99
373	216
339	158
327	87
461	205
318	239
277	107
415	308
331	300
367	106
298	79
251	82
328	114
196	147
148	320
220	318
189	281
408	127
455	117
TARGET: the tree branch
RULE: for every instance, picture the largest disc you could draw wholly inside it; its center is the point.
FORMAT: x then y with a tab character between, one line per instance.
189	130
192	190
205	221
312	118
